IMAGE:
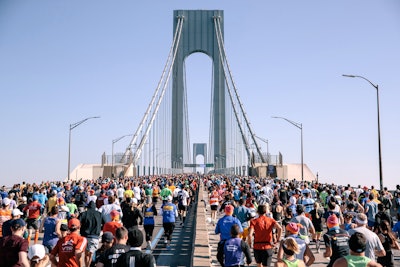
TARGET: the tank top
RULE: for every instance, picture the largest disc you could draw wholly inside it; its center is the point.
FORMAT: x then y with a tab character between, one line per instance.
148	216
356	261
50	236
290	263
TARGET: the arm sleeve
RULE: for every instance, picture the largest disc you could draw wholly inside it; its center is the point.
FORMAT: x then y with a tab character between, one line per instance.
246	251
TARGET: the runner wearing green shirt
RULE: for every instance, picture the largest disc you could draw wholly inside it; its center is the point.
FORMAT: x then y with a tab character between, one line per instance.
165	192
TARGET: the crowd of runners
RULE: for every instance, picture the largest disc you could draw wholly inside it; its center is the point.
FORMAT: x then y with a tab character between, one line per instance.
355	224
91	222
96	222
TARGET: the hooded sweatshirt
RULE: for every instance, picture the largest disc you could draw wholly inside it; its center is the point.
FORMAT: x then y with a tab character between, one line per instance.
90	221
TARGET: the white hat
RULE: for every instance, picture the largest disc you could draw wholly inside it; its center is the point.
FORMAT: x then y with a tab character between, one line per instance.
16	212
134	200
169	198
64	208
38	251
6	201
24	199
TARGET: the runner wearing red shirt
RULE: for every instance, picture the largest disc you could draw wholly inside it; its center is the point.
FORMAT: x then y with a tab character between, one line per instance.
33	211
263	242
69	248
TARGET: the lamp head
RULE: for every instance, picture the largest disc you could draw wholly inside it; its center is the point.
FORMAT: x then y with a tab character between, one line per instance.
349	76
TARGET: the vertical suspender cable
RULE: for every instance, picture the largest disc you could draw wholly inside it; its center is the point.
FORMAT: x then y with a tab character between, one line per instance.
145	136
237	96
229	89
135	136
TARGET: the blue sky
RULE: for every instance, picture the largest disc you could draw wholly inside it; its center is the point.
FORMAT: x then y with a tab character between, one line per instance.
62	61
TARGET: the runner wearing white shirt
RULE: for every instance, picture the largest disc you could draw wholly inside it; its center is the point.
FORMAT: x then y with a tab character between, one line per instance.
137	192
183	203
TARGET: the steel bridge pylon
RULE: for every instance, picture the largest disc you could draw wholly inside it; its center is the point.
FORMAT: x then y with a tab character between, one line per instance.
198	35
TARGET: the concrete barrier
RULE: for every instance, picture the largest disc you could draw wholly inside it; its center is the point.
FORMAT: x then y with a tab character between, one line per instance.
202	253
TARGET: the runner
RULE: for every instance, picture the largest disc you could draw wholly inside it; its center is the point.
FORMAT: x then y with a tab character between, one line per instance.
33	210
261	228
223	228
149	211
183	200
169	213
69	249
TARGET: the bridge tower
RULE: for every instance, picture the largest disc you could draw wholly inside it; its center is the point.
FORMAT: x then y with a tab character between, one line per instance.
198	35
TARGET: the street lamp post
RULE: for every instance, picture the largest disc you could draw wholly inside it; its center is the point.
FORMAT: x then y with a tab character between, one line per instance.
112	152
300	126
379	125
71	127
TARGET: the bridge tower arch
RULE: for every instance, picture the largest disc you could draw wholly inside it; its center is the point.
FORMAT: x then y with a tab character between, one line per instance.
198	35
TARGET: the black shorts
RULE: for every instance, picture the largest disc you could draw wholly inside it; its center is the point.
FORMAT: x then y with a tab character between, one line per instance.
32	223
182	207
263	256
214	207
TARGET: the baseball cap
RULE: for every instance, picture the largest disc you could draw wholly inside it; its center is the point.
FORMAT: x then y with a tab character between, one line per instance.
332	220
229	209
135	238
107	237
36	252
16	224
6	201
74	223
24	199
16	212
114	213
293	228
169	198
134	200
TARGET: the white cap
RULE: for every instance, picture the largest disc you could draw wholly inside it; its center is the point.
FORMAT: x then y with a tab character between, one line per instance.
6	201
134	200
169	198
64	208
24	199
38	251
16	212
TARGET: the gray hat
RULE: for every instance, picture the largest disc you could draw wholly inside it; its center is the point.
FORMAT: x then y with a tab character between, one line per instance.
107	237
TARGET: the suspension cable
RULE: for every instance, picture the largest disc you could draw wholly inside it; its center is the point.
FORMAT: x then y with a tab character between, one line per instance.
145	136
149	108
236	93
229	90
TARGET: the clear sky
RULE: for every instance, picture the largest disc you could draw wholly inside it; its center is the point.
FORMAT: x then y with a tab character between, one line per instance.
62	61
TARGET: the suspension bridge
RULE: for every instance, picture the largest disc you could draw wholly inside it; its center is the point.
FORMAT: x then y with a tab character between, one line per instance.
161	142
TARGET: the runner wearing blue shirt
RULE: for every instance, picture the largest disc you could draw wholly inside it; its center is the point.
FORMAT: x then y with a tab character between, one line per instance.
223	228
235	248
169	213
